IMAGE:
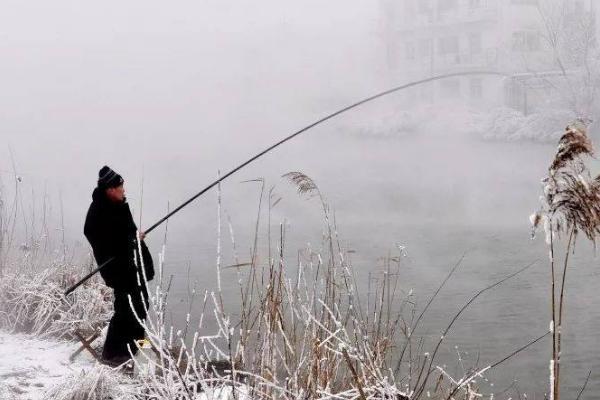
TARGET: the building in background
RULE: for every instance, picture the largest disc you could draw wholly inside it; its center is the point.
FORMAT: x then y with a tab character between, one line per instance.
434	37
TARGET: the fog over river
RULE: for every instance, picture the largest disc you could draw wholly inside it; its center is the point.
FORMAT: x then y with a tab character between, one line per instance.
170	97
438	194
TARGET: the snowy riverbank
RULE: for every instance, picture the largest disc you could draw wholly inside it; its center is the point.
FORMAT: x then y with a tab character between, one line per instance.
34	369
29	367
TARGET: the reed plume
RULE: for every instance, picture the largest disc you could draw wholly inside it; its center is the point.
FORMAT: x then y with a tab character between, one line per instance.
573	144
570	203
303	183
571	198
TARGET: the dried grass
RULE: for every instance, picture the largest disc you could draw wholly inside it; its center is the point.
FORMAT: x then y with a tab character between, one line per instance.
571	198
33	302
303	332
303	182
6	393
100	383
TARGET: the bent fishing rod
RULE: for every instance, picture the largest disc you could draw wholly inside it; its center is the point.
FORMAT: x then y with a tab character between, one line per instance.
288	138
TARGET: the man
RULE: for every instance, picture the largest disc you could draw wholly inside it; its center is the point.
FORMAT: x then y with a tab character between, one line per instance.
111	231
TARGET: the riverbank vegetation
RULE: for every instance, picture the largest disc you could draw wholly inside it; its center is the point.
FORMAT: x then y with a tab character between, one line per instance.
302	328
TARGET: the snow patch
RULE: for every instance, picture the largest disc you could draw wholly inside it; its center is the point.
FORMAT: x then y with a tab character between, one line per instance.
507	124
29	367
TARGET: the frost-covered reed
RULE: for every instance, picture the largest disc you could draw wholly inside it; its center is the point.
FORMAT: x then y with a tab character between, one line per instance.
100	383
302	330
570	204
34	302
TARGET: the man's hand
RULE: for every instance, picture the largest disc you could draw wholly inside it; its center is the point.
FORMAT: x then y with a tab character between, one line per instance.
142	235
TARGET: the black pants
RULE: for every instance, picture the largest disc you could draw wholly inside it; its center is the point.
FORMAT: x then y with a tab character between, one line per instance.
124	328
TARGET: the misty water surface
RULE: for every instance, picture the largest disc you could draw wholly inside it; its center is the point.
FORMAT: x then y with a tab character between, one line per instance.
168	96
440	195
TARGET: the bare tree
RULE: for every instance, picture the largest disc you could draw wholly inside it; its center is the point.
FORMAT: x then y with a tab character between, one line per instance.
569	33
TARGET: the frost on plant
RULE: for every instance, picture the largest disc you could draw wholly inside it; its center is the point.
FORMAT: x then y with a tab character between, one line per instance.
571	197
570	203
101	383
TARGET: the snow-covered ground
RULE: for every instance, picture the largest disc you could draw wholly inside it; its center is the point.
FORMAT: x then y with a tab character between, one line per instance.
34	369
29	367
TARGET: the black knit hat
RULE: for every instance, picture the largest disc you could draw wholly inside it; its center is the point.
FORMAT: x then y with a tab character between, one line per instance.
107	178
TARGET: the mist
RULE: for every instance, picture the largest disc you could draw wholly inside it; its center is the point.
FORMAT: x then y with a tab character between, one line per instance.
172	96
170	93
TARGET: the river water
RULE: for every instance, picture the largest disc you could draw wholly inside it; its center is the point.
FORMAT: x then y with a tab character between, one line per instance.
440	196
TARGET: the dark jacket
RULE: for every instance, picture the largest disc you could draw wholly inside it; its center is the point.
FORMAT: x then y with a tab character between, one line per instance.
111	231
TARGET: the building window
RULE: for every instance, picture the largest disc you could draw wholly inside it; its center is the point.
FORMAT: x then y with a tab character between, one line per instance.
426	93
448	45
476	88
426	7
525	2
526	41
425	47
410	51
409	7
447	5
450	88
577	7
475	46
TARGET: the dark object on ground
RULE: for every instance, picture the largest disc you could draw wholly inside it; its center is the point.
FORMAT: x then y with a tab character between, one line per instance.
86	344
118	361
218	367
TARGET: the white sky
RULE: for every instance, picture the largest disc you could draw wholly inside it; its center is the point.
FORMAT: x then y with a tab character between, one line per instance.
143	85
76	76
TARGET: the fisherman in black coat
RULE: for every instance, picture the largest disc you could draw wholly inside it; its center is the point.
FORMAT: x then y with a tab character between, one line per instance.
112	233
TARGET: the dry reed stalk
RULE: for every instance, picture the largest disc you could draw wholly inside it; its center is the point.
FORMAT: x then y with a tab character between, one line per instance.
302	332
570	204
100	383
299	330
2	228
